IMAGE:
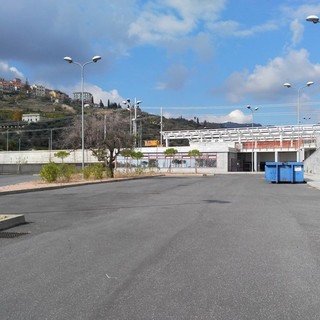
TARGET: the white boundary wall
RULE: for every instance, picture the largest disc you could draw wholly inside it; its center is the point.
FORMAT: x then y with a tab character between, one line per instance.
39	157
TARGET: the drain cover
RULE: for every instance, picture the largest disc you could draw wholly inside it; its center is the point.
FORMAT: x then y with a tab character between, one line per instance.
7	234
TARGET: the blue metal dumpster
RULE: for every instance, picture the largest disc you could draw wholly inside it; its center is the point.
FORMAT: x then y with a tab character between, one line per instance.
284	172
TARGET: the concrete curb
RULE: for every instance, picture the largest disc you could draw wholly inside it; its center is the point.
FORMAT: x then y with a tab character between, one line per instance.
314	184
11	220
66	185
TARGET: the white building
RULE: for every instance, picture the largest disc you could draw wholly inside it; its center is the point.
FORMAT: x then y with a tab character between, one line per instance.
31	117
87	97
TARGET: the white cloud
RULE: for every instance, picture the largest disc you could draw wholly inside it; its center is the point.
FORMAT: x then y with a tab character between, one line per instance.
265	81
171	19
236	116
9	72
233	28
297	31
100	94
97	92
299	12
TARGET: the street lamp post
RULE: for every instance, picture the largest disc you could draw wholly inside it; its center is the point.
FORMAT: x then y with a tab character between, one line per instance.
288	85
136	105
93	60
253	110
129	107
133	129
161	126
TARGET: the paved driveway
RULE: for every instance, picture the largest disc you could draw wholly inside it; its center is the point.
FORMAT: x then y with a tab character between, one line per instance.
6	180
222	247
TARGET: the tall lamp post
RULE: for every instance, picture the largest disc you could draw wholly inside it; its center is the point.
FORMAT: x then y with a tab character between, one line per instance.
253	110
134	120
129	107
136	105
82	65
288	85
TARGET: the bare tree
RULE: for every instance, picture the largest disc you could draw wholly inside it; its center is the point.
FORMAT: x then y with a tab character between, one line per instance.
106	135
71	137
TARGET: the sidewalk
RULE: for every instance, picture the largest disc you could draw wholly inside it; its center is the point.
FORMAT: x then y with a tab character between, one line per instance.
312	180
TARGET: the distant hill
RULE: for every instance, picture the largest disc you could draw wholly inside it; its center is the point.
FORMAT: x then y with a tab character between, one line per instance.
58	115
238	125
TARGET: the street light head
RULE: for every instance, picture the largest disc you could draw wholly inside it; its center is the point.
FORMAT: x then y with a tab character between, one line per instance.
96	58
138	102
310	83
249	107
68	59
313	18
287	84
256	108
128	100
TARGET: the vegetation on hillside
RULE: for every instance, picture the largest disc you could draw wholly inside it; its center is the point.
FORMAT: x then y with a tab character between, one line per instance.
47	134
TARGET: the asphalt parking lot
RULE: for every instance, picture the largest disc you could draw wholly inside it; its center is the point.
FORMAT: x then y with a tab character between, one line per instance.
9	179
219	247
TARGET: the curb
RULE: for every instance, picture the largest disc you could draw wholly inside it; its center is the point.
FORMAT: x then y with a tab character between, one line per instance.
314	184
63	186
11	220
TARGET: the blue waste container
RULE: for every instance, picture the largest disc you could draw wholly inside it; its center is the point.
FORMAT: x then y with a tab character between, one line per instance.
284	172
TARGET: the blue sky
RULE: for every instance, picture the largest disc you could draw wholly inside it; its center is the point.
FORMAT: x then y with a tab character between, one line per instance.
192	58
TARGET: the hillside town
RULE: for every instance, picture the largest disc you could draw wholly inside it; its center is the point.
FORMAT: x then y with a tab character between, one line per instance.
17	86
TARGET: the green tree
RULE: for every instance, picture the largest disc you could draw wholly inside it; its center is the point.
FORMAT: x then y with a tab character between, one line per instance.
126	153
170	152
62	154
137	155
196	154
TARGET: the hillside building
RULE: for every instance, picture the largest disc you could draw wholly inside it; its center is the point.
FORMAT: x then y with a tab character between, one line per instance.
31	117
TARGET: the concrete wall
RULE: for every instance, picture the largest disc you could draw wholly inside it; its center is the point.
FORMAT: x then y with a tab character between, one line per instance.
31	161
312	163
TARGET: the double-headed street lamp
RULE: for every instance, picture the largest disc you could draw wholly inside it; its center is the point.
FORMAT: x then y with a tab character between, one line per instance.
288	85
313	18
93	60
253	110
129	108
135	119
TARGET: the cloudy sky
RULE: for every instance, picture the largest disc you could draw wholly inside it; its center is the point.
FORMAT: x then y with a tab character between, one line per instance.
192	58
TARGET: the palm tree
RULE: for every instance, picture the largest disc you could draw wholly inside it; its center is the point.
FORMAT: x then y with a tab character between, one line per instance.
126	153
137	155
171	152
196	154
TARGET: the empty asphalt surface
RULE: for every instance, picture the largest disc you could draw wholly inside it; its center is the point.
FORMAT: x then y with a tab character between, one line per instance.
222	247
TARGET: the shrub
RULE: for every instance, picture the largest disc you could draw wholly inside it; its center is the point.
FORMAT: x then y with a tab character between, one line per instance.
87	172
95	171
98	171
49	172
139	170
109	173
65	171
